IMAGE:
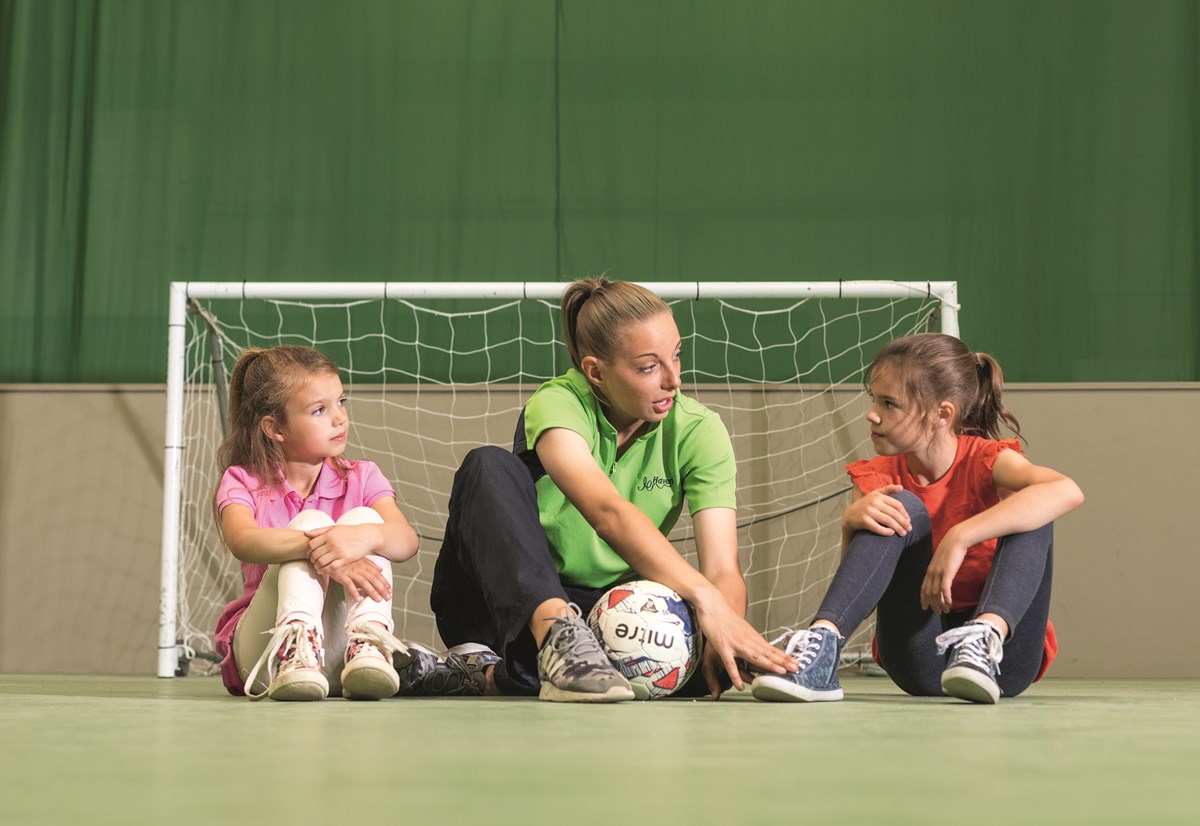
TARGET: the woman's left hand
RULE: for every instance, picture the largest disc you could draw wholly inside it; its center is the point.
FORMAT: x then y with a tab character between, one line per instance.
939	577
333	547
734	644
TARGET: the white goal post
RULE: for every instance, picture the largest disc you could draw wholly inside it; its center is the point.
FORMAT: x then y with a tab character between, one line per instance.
754	372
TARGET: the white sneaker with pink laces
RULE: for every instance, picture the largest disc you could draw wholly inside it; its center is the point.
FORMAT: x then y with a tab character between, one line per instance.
294	665
369	674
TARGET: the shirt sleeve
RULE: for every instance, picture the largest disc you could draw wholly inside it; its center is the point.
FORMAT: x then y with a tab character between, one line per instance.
372	483
988	451
866	476
710	470
556	406
237	487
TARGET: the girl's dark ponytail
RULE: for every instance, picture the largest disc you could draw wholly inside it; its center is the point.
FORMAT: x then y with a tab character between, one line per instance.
935	367
988	411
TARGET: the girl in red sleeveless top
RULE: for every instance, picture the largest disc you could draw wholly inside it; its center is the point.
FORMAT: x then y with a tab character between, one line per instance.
949	535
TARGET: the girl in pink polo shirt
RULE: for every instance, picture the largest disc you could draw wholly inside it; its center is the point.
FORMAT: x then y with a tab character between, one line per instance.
315	533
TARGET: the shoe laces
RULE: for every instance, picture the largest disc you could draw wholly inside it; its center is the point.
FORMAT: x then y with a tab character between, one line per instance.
453	675
976	644
364	637
292	645
571	634
574	646
802	646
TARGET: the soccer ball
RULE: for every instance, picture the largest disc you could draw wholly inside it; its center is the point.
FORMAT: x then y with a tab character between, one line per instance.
650	634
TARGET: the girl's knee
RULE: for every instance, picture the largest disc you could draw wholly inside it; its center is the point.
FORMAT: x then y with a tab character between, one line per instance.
918	514
1043	536
361	516
287	571
309	520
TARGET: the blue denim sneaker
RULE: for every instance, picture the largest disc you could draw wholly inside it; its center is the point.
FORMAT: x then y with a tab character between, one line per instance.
817	651
975	654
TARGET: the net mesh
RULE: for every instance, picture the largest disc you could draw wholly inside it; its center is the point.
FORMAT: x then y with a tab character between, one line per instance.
429	380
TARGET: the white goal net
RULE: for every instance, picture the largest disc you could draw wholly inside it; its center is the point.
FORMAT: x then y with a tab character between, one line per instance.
433	370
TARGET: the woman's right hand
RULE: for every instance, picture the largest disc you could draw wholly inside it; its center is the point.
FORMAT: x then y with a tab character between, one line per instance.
879	513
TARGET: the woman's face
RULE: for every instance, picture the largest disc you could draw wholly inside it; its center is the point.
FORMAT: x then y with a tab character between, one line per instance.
641	380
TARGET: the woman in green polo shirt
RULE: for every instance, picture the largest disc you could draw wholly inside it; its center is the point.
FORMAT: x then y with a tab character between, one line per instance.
603	462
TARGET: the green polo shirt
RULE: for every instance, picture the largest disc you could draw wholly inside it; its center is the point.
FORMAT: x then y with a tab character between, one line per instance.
687	455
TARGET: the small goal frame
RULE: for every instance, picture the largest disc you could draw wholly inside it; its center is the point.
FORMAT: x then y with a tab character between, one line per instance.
182	292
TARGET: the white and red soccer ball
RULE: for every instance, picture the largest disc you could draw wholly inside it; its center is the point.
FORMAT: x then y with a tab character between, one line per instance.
650	634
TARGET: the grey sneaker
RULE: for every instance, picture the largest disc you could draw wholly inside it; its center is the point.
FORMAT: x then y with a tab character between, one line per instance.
975	654
573	668
817	651
461	671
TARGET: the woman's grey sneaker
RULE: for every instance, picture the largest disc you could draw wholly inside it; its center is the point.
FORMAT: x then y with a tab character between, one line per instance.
572	667
461	671
975	654
817	651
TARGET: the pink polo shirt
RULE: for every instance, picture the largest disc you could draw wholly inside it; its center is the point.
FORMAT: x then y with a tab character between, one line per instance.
363	485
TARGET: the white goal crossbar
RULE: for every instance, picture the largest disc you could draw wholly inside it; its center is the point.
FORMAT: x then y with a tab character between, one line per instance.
181	293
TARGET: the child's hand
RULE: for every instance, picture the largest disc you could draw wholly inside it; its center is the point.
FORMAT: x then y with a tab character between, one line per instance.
879	513
335	546
939	576
363	577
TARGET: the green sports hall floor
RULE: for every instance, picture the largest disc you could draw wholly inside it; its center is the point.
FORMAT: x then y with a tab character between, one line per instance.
132	750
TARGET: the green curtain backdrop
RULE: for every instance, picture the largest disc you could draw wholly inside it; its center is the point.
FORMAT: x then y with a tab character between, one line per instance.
1043	154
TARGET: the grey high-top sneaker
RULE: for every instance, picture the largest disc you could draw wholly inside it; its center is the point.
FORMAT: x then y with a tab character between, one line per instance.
975	654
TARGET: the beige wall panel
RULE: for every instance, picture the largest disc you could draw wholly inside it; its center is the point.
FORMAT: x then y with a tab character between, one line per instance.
1126	565
80	524
80	513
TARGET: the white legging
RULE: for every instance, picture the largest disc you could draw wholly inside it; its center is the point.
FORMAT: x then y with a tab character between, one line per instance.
295	591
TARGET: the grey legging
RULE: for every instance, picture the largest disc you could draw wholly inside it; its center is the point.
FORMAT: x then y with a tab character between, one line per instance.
887	572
